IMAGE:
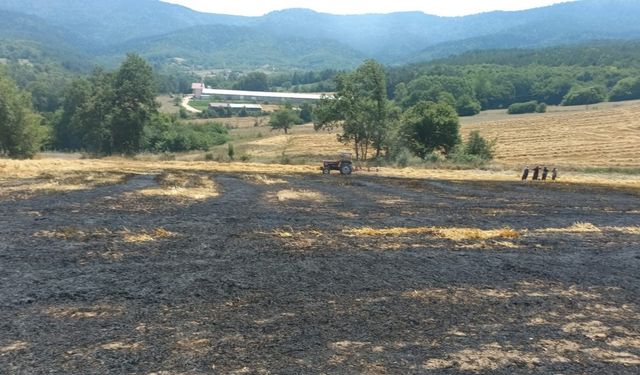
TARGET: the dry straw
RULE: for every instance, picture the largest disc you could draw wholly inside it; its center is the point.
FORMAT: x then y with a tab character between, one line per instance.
454	234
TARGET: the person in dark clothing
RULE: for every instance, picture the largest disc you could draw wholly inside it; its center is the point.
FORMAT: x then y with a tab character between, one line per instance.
554	174
545	173
525	173
536	172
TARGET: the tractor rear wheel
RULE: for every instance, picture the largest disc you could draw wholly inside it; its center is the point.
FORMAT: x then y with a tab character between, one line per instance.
345	170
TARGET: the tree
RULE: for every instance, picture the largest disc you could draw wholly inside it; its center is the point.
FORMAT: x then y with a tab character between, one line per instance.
306	112
254	81
582	96
429	126
94	117
67	130
455	91
283	119
478	146
626	89
520	108
84	121
466	105
360	106
552	90
134	103
21	134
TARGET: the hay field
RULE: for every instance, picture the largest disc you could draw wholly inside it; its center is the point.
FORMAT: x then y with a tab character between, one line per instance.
302	145
602	135
302	142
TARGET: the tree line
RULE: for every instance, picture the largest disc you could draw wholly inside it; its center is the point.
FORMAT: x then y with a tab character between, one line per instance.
103	114
485	80
378	127
381	111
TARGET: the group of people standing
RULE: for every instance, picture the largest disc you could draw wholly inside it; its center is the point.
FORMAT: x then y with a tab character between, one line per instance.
536	173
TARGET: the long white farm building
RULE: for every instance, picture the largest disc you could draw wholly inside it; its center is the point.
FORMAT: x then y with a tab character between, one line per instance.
199	90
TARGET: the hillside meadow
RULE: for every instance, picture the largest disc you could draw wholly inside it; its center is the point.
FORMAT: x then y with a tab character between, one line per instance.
600	137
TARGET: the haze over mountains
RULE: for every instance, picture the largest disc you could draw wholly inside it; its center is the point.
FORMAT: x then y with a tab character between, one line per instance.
99	31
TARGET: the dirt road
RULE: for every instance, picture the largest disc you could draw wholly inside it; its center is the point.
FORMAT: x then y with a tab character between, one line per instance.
306	274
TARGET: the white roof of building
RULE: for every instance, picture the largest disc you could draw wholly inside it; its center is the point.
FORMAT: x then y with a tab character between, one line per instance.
263	94
235	106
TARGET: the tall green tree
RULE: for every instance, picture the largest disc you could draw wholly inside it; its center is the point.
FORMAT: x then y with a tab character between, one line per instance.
84	121
254	81
21	134
94	117
372	85
283	119
429	126
360	106
67	131
134	103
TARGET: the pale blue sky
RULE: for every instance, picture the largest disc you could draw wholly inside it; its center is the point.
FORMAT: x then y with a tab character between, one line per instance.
438	7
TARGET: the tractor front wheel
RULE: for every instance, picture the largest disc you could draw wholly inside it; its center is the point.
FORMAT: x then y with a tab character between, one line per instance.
325	171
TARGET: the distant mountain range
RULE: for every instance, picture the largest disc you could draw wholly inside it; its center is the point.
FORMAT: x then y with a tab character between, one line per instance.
99	31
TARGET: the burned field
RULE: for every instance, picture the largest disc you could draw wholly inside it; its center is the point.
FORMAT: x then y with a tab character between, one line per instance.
190	272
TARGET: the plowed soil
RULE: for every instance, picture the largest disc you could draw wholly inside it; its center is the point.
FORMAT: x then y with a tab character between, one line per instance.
308	274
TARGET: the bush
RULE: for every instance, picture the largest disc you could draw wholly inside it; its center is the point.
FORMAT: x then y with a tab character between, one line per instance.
284	158
209	156
405	157
625	89
231	151
430	126
468	106
460	157
584	96
520	108
434	157
183	113
541	108
21	132
480	147
164	134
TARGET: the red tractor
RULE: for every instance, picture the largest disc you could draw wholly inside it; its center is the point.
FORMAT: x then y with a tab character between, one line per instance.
344	165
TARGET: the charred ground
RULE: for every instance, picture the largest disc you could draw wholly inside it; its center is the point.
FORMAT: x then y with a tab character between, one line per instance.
218	272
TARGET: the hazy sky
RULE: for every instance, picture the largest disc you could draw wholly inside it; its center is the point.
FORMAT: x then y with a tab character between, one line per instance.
438	7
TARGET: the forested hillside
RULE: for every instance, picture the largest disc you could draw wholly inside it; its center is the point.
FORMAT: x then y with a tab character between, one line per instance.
598	53
24	37
584	74
114	21
227	47
300	38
